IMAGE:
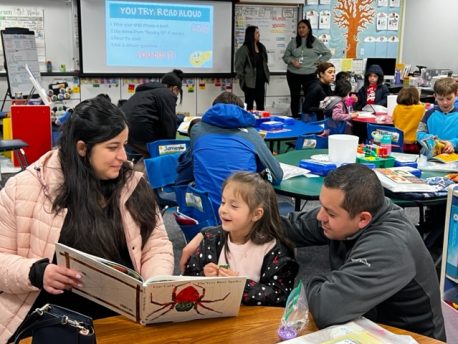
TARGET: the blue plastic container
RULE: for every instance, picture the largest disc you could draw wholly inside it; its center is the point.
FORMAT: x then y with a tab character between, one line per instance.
317	167
272	125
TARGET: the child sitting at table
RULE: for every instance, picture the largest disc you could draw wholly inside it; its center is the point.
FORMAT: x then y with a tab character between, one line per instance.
250	242
407	115
336	110
441	122
374	91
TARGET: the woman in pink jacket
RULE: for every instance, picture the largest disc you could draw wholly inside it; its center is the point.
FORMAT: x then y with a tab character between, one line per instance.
84	195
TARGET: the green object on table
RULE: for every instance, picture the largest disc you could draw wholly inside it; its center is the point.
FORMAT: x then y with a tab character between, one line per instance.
377	161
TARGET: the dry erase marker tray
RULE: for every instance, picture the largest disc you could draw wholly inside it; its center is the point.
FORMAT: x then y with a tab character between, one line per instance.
317	167
379	162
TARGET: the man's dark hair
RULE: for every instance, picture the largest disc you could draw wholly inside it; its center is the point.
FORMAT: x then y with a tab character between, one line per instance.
363	190
228	98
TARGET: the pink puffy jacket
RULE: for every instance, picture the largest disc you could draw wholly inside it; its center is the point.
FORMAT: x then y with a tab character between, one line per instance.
29	230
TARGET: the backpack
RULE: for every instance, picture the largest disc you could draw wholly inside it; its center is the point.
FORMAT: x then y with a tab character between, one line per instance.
328	103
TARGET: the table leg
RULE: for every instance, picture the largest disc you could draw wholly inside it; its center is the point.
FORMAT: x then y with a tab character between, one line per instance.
297	204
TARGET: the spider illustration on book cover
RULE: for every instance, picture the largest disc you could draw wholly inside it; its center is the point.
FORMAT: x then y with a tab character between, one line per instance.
184	300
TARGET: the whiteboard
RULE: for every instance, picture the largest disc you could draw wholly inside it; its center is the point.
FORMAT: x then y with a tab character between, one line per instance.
19	50
277	25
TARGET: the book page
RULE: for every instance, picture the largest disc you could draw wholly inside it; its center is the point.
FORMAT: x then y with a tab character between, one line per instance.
445	157
102	283
188	298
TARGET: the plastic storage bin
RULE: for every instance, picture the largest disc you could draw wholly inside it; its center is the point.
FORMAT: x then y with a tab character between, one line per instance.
379	162
317	167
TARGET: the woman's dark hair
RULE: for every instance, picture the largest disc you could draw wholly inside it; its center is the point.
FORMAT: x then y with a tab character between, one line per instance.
93	222
408	96
259	193
310	38
323	67
343	88
249	42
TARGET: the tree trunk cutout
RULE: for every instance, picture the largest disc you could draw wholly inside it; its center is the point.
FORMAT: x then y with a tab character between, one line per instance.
353	15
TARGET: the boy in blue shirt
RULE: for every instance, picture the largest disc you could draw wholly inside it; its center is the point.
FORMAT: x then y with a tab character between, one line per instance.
441	122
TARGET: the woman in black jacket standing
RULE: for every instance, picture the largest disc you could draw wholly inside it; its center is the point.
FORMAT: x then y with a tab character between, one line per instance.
251	68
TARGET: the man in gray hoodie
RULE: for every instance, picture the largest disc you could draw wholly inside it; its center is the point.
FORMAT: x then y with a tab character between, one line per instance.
380	266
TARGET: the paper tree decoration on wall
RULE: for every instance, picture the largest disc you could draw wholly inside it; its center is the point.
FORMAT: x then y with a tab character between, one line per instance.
353	16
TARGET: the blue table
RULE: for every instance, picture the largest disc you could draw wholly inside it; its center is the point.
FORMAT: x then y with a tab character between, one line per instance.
289	132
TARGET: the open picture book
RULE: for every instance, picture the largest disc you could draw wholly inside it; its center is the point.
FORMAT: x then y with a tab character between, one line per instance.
158	299
399	179
445	157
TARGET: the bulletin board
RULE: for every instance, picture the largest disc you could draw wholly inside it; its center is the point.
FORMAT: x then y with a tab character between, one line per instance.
358	29
19	50
277	25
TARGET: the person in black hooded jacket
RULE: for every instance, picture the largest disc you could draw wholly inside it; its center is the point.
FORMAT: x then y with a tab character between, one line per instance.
374	90
151	111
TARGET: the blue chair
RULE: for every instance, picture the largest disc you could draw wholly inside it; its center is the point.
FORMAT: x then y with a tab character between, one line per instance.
311	141
294	144
163	147
161	173
397	135
197	205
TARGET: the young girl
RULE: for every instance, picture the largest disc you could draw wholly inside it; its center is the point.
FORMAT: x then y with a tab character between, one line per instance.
374	90
249	242
336	110
407	115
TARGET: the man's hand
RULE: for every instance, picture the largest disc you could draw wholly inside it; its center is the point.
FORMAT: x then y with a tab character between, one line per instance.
189	249
58	278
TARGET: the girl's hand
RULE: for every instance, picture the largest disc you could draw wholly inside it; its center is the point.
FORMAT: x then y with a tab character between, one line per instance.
227	272
354	114
448	147
211	270
189	249
58	278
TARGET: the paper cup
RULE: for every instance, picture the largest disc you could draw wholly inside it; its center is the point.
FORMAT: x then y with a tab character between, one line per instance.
342	148
391	103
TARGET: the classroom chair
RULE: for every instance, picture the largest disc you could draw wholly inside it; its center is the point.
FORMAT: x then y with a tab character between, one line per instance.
195	210
161	174
163	147
15	146
397	135
311	141
293	144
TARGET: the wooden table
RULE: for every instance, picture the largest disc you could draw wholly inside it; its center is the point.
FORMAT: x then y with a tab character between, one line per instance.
252	325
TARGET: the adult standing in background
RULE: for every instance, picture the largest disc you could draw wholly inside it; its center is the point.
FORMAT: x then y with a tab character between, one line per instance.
319	89
251	68
151	111
302	55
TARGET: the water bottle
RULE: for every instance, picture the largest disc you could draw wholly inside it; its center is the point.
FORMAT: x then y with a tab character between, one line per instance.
397	77
385	142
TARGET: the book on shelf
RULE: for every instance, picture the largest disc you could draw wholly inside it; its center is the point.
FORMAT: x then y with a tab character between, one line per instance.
399	179
445	157
361	330
157	299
